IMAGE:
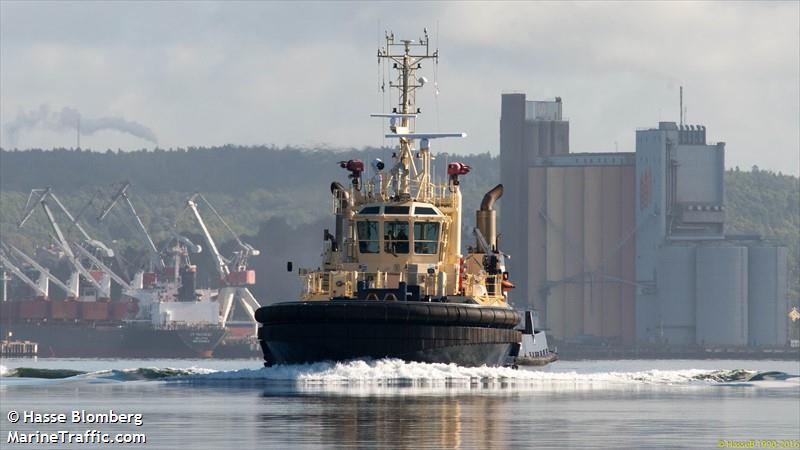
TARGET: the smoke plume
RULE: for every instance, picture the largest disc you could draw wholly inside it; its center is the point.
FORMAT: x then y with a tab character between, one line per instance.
68	119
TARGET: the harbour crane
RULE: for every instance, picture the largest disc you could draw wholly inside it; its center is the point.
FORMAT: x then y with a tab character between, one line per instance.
103	286
179	247
239	262
42	197
234	290
221	264
40	286
156	261
185	242
127	288
71	287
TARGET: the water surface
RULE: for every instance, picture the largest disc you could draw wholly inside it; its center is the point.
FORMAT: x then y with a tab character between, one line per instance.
203	404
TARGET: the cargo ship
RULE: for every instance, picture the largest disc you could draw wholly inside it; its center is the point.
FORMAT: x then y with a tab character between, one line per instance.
89	327
160	313
393	282
116	340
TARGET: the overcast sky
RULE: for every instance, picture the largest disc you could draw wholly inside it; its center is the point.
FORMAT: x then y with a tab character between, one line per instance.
202	74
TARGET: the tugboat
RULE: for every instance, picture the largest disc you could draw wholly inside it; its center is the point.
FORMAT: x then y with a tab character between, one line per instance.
393	282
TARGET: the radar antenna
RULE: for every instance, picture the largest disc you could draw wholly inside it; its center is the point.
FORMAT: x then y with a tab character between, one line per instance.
406	57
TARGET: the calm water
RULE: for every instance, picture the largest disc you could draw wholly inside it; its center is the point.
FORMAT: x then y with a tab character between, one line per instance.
390	404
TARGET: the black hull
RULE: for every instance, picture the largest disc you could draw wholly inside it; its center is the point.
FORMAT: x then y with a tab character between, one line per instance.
121	341
467	335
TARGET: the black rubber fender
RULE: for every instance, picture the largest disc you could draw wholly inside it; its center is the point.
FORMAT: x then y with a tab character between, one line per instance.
396	313
473	315
438	313
336	312
377	312
418	312
371	313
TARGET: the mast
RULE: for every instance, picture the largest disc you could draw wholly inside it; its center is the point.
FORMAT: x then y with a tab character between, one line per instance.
406	56
401	53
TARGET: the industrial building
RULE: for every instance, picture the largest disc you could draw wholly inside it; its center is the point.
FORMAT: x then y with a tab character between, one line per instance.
528	130
630	248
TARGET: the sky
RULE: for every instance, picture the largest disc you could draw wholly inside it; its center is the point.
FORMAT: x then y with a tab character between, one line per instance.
181	74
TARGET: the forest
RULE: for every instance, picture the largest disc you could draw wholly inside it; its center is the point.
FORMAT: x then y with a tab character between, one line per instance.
278	200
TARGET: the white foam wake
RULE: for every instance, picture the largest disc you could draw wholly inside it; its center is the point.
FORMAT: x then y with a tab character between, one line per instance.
393	377
392	371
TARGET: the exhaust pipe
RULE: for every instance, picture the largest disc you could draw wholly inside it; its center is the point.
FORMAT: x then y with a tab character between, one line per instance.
341	194
486	216
491	197
343	202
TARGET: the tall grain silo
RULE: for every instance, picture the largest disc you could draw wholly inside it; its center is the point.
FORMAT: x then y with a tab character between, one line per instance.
572	235
721	295
767	301
581	246
528	129
675	284
628	254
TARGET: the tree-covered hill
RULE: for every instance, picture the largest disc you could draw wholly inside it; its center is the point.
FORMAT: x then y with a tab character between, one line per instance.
280	199
766	203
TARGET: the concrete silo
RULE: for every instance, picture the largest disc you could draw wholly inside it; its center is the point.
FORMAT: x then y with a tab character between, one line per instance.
675	285
767	301
721	295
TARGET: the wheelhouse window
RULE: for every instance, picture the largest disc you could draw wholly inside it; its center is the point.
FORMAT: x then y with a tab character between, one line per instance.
401	210
368	236
395	237
424	210
426	238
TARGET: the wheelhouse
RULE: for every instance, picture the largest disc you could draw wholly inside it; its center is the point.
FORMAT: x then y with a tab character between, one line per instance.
391	234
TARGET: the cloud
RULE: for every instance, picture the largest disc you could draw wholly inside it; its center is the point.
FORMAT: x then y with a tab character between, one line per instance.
298	73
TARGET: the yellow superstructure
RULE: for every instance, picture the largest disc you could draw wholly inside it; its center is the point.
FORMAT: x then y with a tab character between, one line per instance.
397	231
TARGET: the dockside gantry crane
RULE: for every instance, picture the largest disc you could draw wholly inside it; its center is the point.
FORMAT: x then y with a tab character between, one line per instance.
129	289
234	283
40	286
156	262
71	287
42	198
46	194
